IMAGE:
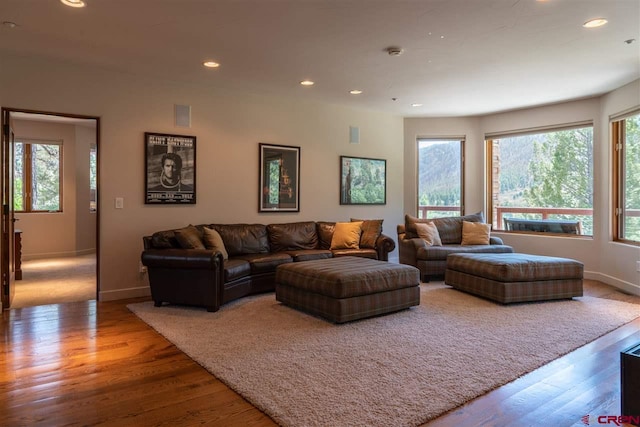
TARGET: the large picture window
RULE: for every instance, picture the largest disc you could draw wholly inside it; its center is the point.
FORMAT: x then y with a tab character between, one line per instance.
626	154
37	176
542	181
440	177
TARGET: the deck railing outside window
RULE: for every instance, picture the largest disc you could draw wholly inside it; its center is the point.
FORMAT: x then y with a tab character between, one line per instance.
520	212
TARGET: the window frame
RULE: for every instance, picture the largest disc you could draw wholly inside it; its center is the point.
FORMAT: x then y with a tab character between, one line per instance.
461	140
490	167
618	147
27	171
93	176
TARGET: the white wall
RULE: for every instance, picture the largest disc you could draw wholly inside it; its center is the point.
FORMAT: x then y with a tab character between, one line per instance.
72	231
604	260
228	126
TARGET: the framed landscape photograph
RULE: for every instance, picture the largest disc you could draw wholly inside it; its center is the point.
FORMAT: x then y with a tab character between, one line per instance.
170	169
279	185
363	181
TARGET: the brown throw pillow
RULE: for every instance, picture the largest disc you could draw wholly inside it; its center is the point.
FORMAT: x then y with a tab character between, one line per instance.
428	232
189	238
212	240
346	235
371	230
475	233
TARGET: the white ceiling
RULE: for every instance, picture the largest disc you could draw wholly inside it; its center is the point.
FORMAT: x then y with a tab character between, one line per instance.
496	55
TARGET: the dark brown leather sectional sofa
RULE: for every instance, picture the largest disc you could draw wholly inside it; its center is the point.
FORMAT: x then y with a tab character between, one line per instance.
201	277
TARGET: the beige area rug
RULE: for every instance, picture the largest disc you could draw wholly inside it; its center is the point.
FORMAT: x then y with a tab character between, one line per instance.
56	280
401	369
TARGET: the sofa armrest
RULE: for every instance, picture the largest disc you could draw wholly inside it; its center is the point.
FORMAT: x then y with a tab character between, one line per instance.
408	247
384	245
495	240
185	276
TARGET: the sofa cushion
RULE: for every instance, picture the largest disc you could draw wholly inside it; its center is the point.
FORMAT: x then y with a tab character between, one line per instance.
434	253
242	239
265	263
361	253
212	240
346	235
309	254
475	233
325	233
449	228
371	230
189	238
235	269
429	233
292	236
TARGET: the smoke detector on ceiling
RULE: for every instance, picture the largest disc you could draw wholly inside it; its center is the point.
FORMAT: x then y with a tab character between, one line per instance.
395	51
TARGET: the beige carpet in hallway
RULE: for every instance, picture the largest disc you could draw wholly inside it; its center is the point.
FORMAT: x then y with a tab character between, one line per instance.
56	280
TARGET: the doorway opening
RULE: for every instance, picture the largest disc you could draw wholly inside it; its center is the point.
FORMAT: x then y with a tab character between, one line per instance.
55	210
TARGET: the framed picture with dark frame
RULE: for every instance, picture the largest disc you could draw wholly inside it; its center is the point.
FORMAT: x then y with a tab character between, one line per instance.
363	181
279	185
170	169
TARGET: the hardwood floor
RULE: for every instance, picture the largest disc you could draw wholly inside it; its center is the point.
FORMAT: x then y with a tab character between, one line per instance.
89	363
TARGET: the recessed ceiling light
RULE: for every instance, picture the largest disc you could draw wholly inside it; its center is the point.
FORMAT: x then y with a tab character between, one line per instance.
307	83
416	105
211	64
593	23
73	3
355	92
9	24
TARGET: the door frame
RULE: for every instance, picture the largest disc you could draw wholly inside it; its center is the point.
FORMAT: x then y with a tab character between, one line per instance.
6	116
7	220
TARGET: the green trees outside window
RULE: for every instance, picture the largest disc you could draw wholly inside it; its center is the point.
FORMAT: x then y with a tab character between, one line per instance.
626	144
440	166
544	176
36	179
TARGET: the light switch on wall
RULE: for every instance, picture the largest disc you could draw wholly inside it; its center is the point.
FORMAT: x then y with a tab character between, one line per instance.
119	203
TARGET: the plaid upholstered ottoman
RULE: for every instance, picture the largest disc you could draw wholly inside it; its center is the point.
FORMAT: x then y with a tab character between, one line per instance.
515	277
347	288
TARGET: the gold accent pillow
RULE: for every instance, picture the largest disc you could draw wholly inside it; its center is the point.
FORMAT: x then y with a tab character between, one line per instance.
475	233
428	232
213	240
346	235
189	238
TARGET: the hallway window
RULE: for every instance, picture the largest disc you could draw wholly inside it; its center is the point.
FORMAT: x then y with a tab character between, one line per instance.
626	154
37	176
93	173
440	177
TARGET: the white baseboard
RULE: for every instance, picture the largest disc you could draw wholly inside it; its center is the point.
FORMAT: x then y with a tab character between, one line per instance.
627	287
116	294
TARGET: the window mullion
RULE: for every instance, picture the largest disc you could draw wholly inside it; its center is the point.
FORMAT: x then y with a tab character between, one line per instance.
28	189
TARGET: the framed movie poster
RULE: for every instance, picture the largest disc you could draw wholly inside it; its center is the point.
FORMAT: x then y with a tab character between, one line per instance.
170	169
363	181
279	178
